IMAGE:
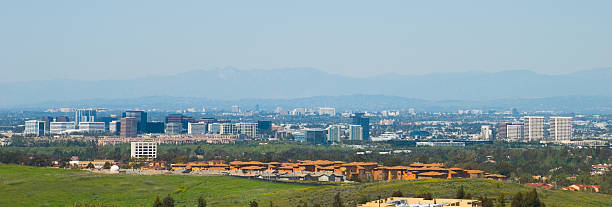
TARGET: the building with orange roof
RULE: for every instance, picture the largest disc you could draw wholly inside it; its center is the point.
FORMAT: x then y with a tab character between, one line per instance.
352	170
432	174
580	187
475	173
494	177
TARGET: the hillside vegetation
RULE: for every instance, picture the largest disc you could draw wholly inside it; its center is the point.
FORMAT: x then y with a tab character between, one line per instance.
35	186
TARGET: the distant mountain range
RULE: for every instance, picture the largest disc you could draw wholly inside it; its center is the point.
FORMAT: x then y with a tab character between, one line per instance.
304	86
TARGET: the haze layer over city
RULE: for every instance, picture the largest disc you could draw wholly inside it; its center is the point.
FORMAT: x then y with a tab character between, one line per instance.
318	103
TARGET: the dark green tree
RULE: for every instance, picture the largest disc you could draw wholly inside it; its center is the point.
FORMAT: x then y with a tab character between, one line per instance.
90	166
201	202
168	201
518	200
337	201
426	196
532	200
460	193
500	201
397	193
486	202
157	202
107	165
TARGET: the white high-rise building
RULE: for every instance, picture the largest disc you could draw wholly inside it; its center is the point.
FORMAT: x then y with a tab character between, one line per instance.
515	132
114	126
534	128
196	129
298	111
144	149
333	133
356	132
92	127
34	127
61	127
485	132
560	128
327	111
85	115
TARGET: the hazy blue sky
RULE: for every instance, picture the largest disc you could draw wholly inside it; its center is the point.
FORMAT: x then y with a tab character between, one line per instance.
124	39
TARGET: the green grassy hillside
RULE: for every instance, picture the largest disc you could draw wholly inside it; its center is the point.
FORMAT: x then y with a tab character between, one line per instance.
33	186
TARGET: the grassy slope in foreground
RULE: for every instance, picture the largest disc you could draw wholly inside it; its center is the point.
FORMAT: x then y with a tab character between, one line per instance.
32	186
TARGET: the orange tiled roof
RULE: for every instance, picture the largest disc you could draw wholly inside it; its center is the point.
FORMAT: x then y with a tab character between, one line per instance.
431	173
253	168
359	164
495	175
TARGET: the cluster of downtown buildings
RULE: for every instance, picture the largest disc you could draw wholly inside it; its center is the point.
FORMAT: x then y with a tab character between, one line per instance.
387	125
135	122
532	129
132	123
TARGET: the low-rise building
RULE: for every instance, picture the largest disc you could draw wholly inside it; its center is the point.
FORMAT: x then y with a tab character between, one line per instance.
144	150
421	202
61	127
92	127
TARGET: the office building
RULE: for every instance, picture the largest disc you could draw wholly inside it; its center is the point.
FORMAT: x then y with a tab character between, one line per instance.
61	127
62	119
333	133
174	118
299	136
196	129
486	133
129	127
34	127
141	118
502	131
92	127
227	128
181	119
298	112
47	120
235	109
173	128
560	128
534	128
106	120
264	127
315	136
143	149
515	132
214	128
248	129
114	127
85	115
327	111
355	132
155	127
364	122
